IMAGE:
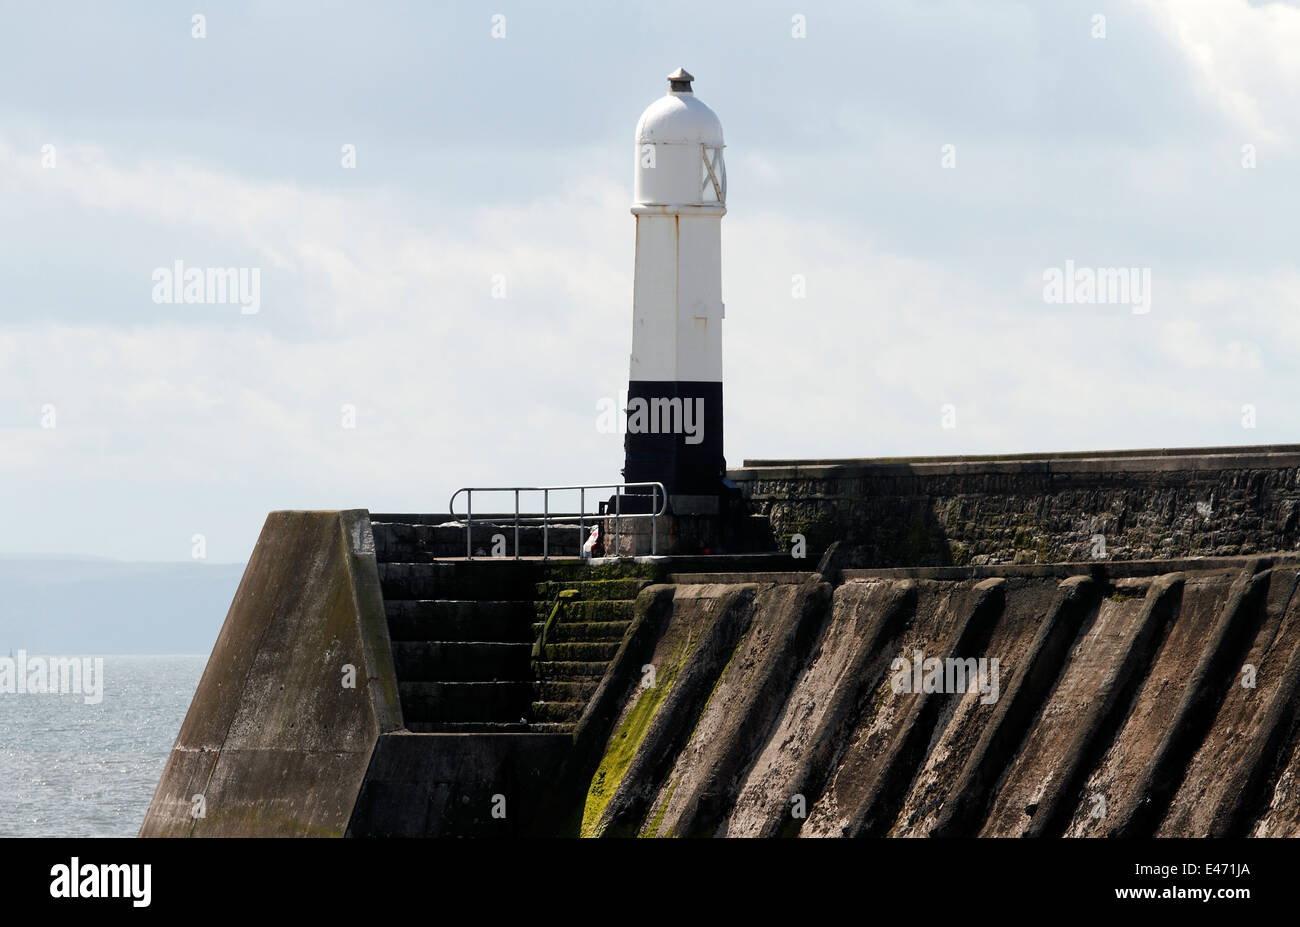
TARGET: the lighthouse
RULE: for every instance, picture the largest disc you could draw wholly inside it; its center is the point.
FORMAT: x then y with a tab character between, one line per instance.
674	409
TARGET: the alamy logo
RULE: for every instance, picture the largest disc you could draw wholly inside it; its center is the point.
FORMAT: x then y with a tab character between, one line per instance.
952	676
1125	286
211	285
87	880
659	415
24	675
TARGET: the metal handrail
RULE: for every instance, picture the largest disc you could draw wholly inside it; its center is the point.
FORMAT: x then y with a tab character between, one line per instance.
657	492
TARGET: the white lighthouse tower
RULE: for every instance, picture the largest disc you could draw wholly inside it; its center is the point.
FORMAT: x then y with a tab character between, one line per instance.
674	414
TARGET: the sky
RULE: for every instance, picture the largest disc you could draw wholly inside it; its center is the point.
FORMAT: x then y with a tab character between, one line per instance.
452	308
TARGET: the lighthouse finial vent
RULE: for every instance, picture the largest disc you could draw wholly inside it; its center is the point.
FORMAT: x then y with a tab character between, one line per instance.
680	81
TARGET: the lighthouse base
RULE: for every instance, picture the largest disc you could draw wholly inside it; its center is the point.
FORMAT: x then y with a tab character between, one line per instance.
674	436
713	524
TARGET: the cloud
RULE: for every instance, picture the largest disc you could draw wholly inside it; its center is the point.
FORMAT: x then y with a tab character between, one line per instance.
923	286
1188	344
1244	60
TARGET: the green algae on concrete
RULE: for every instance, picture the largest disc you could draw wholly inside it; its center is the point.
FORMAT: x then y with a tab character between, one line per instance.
706	622
592	590
657	821
562	598
625	742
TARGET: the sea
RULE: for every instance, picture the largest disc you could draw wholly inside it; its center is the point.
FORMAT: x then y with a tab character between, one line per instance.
72	769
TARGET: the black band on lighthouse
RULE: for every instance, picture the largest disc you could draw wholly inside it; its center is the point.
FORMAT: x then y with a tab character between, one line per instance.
674	435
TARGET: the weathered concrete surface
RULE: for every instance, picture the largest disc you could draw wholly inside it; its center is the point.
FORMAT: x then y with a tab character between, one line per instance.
1275	719
1130	786
1119	708
975	737
1089	695
1234	766
1282	817
659	713
746	700
462	785
880	757
844	669
274	743
1035	508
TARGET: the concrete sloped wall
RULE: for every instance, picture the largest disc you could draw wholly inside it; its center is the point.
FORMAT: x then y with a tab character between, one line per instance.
656	718
274	742
851	657
749	694
1126	781
1084	700
890	734
1130	700
1228	775
1037	626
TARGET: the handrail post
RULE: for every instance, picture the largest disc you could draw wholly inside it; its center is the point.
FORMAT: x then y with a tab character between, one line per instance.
516	524
618	507
654	521
582	520
469	524
546	523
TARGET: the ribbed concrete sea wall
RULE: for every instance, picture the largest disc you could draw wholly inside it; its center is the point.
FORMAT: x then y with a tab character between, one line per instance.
1037	508
692	721
280	732
1131	699
674	698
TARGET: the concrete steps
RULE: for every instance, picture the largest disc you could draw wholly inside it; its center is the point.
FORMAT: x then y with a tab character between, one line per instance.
468	727
458	579
466	701
564	631
462	636
467	635
581	626
425	542
570	670
562	712
460	661
581	652
460	620
594	590
581	610
566	691
489	727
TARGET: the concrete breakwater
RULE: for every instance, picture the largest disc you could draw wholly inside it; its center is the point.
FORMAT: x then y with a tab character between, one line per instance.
408	694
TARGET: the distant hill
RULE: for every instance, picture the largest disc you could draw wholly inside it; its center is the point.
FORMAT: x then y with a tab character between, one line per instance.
89	606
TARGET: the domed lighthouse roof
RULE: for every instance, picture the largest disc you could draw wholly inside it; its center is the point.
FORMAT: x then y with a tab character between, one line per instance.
679	153
679	117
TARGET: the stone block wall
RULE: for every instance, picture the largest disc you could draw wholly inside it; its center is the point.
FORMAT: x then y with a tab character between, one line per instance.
1126	505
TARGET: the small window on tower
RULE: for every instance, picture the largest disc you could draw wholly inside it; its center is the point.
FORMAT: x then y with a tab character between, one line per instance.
714	188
